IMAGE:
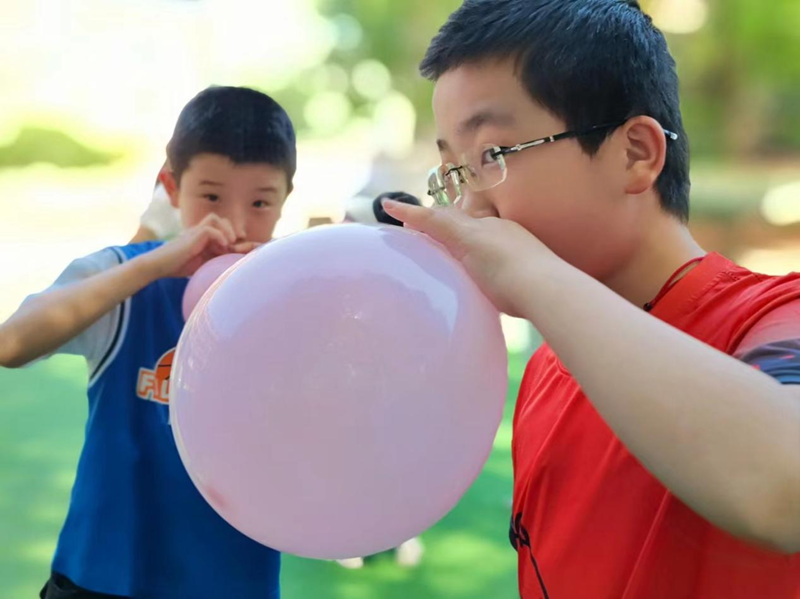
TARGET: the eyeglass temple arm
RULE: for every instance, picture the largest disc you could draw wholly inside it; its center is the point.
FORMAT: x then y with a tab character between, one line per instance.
503	150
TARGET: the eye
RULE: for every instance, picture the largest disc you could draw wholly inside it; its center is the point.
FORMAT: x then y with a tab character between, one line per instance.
489	156
260	204
211	197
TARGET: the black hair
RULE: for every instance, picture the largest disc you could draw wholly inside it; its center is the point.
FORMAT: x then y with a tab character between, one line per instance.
588	62
239	123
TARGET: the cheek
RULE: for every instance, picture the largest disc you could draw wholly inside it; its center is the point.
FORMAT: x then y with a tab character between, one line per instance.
193	210
261	229
542	198
572	211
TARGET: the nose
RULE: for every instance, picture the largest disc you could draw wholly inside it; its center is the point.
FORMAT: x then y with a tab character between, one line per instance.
476	204
238	219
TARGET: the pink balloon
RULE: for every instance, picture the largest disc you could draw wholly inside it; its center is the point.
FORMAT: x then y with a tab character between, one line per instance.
203	278
340	390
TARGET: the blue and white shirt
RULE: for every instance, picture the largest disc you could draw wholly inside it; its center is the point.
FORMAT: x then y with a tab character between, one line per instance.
137	526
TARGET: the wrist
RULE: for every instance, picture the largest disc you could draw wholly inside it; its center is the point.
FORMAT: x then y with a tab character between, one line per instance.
149	267
541	284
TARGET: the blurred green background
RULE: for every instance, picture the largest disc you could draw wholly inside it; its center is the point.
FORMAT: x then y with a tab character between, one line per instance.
91	90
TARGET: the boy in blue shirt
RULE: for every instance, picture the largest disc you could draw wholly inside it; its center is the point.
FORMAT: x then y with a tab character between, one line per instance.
136	525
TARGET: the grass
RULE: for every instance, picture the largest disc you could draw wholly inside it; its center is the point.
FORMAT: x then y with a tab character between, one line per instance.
42	414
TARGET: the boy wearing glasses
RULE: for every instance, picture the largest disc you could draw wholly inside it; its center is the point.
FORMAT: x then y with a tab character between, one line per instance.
657	432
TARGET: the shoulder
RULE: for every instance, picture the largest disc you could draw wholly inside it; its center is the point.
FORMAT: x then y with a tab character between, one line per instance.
769	306
127	252
737	299
91	264
752	283
778	324
104	259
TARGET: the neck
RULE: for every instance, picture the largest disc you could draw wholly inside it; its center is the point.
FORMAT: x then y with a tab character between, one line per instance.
664	248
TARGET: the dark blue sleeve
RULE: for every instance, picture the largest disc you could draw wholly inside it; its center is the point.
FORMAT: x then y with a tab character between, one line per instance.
779	359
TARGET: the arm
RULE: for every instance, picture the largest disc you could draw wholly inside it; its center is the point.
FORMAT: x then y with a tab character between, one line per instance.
720	435
48	321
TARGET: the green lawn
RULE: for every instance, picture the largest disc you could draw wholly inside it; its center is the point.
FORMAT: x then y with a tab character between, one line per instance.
42	413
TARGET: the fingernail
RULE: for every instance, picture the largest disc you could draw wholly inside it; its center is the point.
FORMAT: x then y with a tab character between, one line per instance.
387	203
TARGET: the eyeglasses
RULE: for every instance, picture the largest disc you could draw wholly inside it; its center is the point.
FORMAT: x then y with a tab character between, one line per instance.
485	167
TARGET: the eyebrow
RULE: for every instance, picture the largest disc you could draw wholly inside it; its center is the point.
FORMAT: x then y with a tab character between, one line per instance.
268	189
478	120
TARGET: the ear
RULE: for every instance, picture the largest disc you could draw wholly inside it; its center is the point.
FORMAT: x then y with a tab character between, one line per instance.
289	190
646	151
167	179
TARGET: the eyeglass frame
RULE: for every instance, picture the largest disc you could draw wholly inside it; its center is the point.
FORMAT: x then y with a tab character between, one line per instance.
505	150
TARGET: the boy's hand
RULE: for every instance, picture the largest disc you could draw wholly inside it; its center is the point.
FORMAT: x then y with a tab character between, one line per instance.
48	321
245	247
213	237
499	255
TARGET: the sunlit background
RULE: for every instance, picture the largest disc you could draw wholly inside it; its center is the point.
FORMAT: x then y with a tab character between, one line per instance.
89	93
91	90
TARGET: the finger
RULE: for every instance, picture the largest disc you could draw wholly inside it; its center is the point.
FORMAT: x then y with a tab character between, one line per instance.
227	229
414	217
245	247
445	225
223	224
216	240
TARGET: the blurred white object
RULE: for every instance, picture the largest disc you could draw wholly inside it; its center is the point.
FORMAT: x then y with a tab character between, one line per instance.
160	217
781	204
352	563
410	553
680	17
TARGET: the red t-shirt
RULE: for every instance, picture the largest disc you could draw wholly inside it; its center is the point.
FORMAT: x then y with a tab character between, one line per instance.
588	520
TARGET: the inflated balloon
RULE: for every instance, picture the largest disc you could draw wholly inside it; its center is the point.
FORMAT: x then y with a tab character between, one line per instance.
205	276
340	390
